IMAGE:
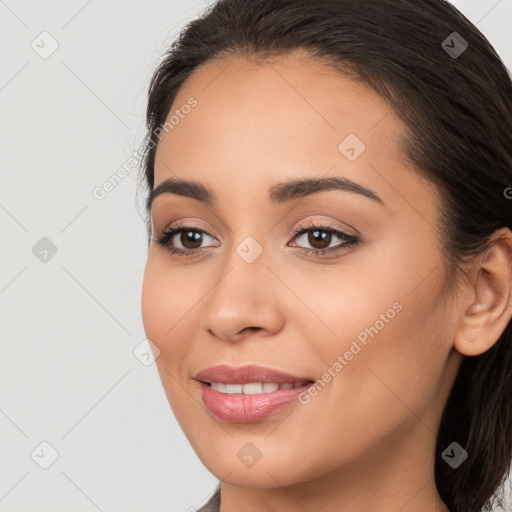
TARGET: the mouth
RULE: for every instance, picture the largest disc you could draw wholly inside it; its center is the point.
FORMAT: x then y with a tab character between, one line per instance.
249	393
239	407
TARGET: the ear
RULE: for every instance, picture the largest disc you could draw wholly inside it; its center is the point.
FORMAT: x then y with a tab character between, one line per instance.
488	310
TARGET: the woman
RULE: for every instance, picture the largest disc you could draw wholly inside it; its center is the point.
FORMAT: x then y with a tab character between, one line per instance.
329	277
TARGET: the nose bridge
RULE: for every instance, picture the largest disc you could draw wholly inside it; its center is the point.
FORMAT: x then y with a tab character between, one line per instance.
244	294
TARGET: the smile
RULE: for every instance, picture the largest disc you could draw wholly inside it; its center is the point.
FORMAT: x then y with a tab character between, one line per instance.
253	388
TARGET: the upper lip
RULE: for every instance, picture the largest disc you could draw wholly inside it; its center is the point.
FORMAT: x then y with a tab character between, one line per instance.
245	374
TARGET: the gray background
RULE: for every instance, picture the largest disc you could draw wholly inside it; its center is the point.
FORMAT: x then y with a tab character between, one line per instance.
71	320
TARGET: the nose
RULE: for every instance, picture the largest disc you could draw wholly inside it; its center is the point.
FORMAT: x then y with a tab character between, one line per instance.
244	299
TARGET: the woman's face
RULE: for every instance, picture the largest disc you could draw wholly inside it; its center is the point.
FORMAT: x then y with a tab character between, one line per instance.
248	291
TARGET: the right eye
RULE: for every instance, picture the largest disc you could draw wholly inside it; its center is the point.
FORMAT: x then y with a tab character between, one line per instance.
189	237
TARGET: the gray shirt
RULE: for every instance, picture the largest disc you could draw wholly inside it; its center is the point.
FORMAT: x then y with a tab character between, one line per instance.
213	504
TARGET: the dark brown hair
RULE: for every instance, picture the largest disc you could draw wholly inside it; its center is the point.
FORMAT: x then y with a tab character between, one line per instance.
458	112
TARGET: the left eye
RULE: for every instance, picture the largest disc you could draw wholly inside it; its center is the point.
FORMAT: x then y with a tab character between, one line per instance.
321	237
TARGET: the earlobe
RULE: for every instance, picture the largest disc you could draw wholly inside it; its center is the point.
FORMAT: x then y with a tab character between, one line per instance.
485	319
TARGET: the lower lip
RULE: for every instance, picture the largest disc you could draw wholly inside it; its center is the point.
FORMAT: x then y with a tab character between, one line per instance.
246	408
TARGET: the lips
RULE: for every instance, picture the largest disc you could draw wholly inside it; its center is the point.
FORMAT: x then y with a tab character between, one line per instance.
247	374
234	406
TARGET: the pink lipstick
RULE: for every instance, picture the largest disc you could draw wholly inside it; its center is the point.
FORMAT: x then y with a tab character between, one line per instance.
249	393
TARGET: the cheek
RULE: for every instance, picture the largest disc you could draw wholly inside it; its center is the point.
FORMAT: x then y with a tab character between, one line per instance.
394	380
171	307
153	305
381	316
164	304
165	294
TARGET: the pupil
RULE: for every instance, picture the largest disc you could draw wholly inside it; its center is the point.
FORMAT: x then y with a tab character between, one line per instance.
191	237
316	236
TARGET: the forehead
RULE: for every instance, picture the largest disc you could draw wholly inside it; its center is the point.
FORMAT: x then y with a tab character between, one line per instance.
290	91
259	123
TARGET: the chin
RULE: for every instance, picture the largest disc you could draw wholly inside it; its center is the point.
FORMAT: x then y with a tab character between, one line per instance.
230	461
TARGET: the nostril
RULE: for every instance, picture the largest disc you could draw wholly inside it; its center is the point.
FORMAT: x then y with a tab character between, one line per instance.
251	329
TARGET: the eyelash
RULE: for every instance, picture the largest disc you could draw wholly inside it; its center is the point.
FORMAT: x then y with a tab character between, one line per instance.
349	241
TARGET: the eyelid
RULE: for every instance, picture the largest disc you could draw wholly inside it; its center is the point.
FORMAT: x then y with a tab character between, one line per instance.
190	223
322	223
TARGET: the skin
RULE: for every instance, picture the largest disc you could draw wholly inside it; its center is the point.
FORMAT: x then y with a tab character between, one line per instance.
367	440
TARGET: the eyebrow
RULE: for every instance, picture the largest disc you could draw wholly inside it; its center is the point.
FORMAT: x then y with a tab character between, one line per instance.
280	193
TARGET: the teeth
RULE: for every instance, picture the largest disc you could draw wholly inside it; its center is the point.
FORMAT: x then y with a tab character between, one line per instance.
218	386
253	388
233	388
